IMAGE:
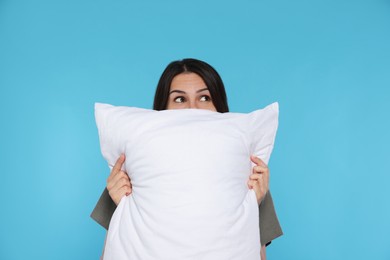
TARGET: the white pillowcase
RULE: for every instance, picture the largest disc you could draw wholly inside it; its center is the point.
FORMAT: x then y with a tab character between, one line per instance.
189	170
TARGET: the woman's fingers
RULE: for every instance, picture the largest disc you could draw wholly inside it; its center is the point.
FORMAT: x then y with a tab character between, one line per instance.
260	169
264	172
124	190
257	161
118	165
119	186
255	180
118	182
112	180
256	177
117	168
259	189
259	179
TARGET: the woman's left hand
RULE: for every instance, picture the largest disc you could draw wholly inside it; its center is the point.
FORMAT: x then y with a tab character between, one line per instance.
259	179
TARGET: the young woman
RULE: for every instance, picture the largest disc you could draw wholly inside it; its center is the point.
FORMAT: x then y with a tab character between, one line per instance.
192	83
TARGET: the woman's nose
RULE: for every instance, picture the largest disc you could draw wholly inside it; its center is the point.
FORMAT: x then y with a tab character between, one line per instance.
193	105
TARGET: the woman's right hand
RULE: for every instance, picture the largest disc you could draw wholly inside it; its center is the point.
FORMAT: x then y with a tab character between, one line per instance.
118	183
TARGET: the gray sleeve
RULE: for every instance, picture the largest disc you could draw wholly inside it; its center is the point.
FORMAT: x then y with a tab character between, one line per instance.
269	223
104	210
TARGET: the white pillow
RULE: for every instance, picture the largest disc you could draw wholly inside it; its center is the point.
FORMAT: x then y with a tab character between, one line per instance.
189	170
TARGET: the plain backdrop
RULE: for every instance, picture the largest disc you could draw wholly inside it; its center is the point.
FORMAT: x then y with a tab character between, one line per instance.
326	62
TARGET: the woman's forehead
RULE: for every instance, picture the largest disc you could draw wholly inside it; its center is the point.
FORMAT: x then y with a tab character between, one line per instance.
187	82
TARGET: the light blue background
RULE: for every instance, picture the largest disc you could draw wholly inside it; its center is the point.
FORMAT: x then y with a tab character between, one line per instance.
326	62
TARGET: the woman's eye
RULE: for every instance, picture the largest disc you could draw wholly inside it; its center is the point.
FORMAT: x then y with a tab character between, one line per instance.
179	100
205	98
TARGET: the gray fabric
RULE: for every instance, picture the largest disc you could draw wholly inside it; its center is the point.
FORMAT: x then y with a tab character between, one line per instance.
104	209
269	223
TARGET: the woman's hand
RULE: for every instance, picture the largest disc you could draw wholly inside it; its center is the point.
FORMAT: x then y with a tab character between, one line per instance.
259	179
118	183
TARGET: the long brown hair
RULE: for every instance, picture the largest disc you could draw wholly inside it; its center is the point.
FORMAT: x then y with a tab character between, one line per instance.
209	75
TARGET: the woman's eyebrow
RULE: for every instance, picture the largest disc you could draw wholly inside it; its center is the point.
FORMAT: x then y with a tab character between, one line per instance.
183	92
203	89
177	91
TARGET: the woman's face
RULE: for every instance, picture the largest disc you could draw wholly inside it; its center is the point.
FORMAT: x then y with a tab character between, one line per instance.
189	91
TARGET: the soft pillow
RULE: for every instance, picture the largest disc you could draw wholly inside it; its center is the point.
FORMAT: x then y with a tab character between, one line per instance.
189	170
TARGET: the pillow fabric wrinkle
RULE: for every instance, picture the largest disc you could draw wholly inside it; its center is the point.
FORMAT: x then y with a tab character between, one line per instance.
189	170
